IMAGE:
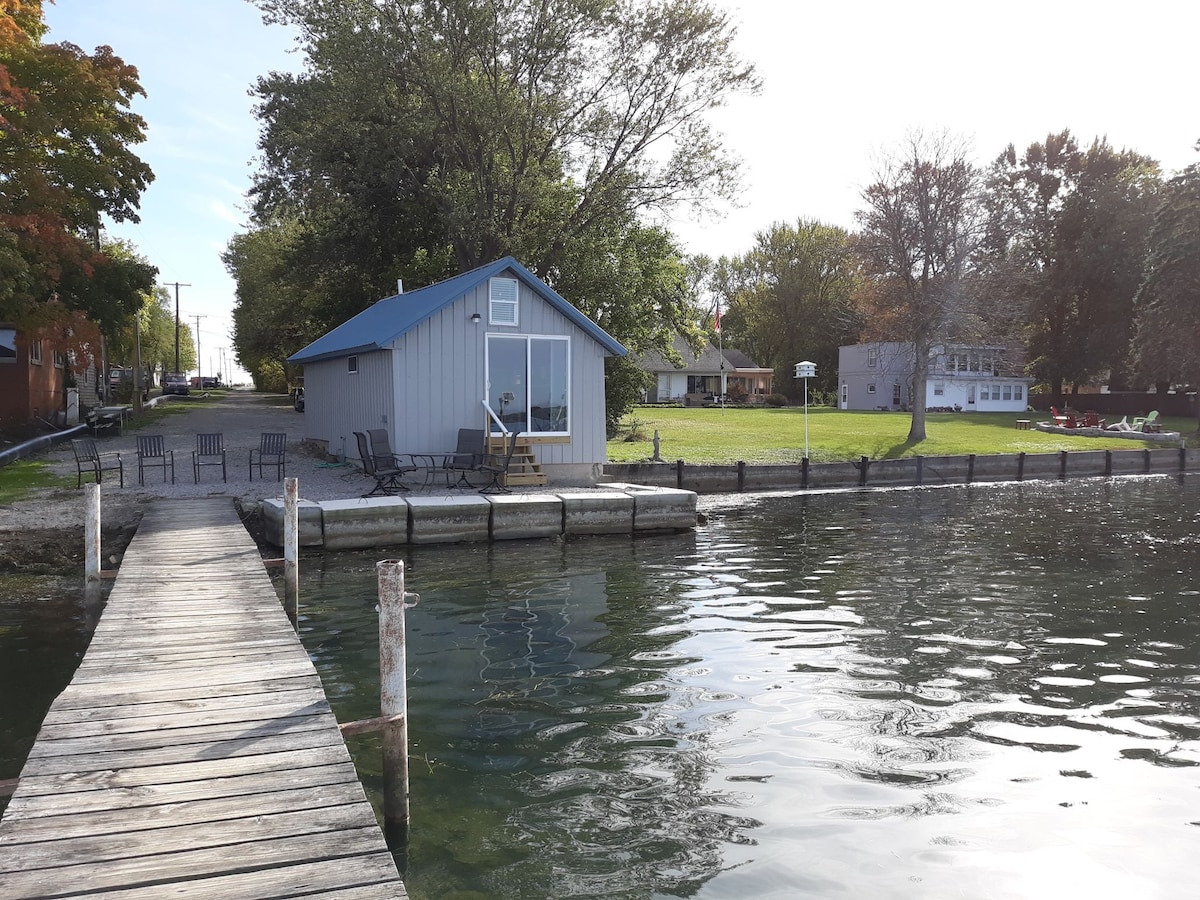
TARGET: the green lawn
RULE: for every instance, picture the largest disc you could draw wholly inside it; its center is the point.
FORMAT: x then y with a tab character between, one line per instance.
20	479
768	435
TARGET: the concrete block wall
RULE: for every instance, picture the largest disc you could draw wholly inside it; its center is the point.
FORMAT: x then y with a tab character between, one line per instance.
907	471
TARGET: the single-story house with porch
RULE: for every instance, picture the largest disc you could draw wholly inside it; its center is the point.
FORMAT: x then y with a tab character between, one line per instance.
965	377
713	372
493	348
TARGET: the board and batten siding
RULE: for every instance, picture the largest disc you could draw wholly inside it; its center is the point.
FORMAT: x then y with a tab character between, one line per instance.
439	368
338	403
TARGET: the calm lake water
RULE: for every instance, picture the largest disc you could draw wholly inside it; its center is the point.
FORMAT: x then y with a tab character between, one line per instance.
983	692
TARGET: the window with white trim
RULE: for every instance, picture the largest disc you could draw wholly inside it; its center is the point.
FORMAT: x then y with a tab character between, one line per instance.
1008	392
60	360
351	365
35	352
939	388
529	382
503	301
1018	390
870	388
872	357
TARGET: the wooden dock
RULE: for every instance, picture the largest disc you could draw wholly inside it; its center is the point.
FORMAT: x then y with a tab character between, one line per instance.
194	754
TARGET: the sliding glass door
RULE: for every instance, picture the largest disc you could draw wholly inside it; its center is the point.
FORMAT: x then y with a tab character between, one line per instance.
529	383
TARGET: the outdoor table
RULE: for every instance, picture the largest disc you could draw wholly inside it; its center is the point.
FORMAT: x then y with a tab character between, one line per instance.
432	462
108	417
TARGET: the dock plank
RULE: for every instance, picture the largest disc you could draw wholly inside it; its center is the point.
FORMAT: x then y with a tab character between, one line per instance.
194	754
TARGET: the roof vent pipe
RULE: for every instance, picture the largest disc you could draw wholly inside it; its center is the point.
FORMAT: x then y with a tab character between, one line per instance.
399	286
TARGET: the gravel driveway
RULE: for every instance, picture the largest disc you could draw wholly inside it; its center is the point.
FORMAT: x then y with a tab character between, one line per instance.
241	417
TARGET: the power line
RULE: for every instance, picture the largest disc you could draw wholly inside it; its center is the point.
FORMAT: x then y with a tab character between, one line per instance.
177	286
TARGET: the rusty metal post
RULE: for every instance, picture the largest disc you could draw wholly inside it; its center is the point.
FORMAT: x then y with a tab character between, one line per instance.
91	532
393	696
741	475
1021	466
804	472
291	548
970	468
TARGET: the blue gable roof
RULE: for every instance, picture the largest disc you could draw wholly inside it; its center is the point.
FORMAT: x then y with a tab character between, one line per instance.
384	321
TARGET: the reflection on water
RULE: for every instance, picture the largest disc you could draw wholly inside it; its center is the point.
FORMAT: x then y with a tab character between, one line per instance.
45	627
968	692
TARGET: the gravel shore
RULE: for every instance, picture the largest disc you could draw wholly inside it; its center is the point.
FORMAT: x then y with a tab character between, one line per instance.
240	416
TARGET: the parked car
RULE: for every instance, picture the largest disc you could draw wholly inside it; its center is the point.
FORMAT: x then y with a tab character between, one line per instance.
298	401
175	383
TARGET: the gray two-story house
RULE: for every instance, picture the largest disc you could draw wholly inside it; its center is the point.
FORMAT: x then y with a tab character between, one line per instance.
964	377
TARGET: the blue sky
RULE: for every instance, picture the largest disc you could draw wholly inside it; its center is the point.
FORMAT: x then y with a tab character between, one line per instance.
843	82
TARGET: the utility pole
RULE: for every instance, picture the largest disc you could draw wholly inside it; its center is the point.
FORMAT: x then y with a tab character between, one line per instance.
199	374
177	286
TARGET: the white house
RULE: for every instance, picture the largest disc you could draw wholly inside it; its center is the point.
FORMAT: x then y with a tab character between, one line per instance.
493	348
713	372
974	378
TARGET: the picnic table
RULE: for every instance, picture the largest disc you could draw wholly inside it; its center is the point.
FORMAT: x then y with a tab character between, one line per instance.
105	418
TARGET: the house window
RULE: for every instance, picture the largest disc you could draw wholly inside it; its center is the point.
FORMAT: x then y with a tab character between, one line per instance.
983	392
351	365
870	388
59	360
1008	392
939	388
8	345
1017	391
529	383
845	393
502	301
35	352
872	356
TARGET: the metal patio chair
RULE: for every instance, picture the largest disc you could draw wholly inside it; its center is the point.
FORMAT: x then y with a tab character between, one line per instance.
89	459
468	457
496	465
210	451
152	453
387	477
385	457
271	451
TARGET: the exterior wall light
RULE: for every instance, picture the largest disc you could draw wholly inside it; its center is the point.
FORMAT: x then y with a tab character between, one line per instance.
475	318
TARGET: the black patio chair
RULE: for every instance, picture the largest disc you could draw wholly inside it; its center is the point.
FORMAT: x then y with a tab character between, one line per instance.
385	457
468	457
89	459
387	477
271	451
210	451
496	465
152	453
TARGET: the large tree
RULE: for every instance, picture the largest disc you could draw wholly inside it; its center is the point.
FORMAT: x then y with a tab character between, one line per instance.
789	299
1065	250
921	223
65	163
428	137
1168	319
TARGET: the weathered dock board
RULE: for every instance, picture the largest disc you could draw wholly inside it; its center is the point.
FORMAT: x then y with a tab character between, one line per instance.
194	754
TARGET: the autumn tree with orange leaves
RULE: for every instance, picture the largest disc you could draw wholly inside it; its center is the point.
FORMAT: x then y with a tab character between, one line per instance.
66	129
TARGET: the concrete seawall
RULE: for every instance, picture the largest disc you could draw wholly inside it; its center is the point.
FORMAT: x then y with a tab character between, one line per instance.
382	521
912	470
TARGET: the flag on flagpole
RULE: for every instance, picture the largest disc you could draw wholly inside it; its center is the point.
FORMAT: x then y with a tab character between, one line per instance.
717	320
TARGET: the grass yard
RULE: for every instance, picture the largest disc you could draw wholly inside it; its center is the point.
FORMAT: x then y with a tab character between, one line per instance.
19	479
769	435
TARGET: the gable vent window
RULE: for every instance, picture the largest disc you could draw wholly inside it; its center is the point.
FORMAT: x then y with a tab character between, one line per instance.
502	301
352	365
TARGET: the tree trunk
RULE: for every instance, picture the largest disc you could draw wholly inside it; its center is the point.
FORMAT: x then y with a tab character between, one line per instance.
916	430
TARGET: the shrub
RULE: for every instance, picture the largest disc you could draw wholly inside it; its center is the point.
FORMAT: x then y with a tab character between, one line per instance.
776	400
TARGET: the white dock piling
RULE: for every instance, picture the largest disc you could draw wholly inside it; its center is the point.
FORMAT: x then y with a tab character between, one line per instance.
91	532
291	549
393	697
